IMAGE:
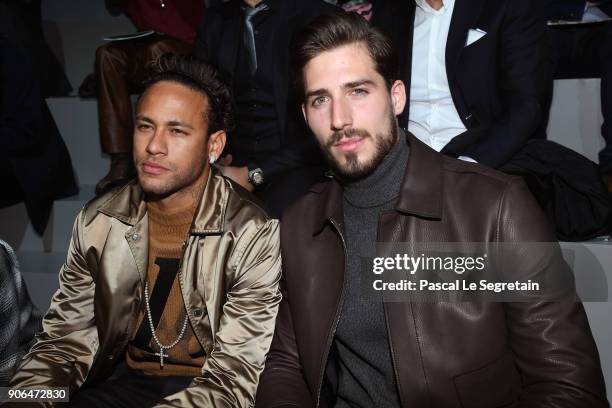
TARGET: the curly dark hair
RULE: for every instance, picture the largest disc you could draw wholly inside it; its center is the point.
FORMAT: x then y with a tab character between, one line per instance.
200	77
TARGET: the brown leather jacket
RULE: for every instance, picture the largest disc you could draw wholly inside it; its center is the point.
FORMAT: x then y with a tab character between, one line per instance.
447	355
229	280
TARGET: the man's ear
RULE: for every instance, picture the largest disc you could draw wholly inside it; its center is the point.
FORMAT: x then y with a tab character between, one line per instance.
398	97
216	143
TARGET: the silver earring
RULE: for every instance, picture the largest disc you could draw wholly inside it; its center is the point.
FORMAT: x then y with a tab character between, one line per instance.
212	159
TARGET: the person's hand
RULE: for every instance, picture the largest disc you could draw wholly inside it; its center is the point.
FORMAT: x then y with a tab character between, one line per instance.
238	174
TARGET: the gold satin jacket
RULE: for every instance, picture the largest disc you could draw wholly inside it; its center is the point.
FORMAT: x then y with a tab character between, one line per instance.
229	278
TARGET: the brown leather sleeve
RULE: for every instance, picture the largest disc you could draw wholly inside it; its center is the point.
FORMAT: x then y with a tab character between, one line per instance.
282	383
551	341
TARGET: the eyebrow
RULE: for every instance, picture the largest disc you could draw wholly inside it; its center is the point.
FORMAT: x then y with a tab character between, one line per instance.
178	123
169	123
348	85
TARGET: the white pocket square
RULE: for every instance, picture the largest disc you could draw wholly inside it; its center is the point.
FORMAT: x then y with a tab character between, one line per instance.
474	35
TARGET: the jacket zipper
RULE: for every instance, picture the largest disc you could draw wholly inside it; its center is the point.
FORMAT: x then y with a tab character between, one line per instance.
332	333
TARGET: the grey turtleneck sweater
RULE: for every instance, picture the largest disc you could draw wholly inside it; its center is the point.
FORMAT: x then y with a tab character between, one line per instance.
365	369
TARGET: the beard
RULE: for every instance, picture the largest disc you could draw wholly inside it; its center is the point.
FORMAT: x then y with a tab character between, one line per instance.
354	168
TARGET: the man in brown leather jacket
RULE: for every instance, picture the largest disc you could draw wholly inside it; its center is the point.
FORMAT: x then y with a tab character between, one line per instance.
169	293
335	347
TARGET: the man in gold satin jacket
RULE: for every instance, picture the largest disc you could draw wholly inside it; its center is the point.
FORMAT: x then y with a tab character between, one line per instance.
169	293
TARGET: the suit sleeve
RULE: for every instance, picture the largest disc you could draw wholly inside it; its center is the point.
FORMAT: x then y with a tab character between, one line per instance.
64	351
525	72
551	341
231	372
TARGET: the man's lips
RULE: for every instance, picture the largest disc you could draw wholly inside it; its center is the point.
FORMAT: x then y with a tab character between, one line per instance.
152	168
348	144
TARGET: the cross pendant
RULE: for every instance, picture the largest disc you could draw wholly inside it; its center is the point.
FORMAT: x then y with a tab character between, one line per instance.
161	357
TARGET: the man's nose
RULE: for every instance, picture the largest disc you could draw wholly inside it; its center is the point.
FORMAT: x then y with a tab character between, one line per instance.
157	143
341	115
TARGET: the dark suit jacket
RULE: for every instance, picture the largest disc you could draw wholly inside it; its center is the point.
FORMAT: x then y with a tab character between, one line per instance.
498	83
32	152
218	42
21	22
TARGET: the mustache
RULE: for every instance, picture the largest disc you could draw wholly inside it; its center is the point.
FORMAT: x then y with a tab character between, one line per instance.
353	132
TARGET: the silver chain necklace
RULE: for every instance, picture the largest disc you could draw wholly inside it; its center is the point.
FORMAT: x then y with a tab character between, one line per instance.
159	344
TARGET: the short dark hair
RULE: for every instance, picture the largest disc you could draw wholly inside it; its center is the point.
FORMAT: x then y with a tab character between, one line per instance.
200	77
333	30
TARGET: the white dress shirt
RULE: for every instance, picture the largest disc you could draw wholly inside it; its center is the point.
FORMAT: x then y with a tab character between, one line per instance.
433	116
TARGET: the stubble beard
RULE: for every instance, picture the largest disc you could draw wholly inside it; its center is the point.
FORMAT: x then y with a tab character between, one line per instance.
353	169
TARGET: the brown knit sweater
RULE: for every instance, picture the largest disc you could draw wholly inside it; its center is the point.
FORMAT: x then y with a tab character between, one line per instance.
167	231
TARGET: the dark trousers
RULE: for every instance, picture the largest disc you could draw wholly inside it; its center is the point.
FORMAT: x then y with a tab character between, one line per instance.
585	51
128	388
120	65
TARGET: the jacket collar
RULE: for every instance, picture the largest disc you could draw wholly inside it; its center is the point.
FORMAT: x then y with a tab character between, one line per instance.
420	194
128	205
465	16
